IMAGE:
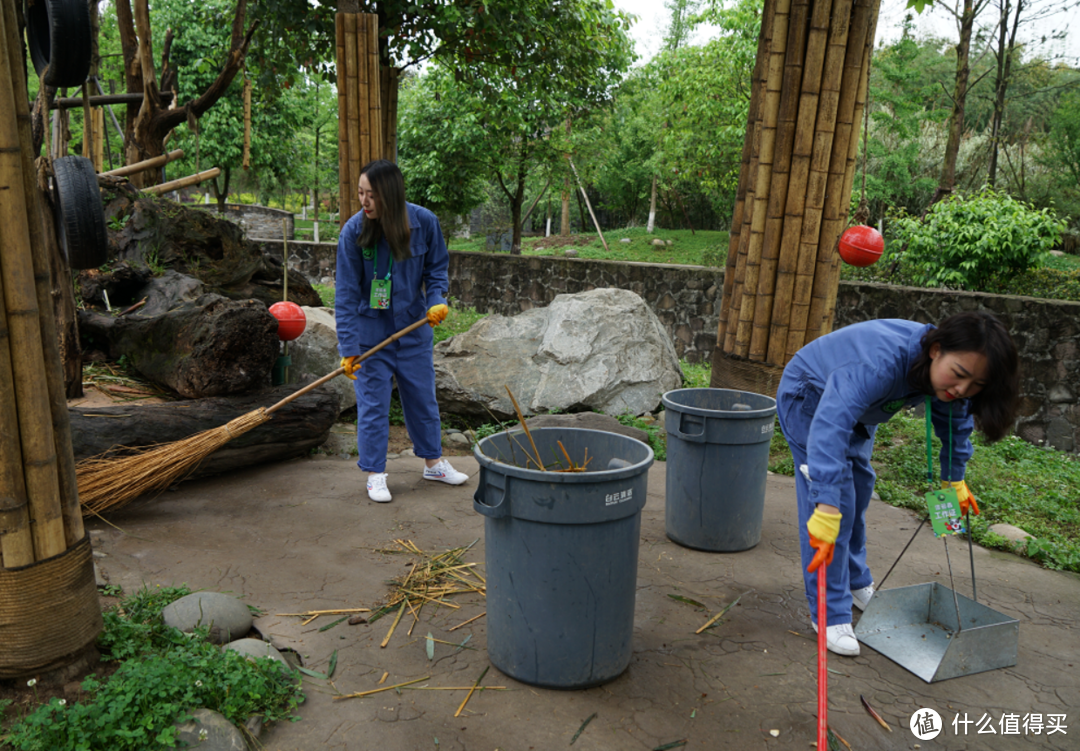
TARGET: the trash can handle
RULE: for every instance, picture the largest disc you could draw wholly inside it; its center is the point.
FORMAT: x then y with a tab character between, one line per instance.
501	509
693	420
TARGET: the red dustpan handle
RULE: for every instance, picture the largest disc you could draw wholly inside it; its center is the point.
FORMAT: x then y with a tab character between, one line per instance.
822	657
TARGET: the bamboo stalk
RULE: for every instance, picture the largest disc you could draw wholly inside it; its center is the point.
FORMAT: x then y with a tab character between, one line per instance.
16	545
384	688
352	103
88	124
397	620
766	151
471	690
363	91
465	623
798	182
156	161
794	60
345	202
374	95
834	214
183	182
24	329
828	103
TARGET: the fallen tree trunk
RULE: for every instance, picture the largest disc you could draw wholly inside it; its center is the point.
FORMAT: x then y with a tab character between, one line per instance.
212	346
293	431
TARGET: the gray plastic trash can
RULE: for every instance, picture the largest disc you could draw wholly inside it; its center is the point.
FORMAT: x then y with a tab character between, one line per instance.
561	553
717	462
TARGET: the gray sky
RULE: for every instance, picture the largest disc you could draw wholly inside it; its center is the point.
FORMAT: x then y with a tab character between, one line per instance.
653	18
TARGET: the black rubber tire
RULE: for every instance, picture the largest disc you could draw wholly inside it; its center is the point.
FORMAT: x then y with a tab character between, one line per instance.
59	35
80	215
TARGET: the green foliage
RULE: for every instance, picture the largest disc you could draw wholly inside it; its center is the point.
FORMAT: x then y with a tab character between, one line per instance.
459	320
696	375
655	431
326	294
965	242
165	674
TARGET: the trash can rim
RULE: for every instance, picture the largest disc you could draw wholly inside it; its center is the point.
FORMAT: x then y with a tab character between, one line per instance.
563	477
731	414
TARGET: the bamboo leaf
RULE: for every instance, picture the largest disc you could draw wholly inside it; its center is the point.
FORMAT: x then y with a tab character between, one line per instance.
669	746
581	729
688	601
333	665
329	626
313	673
430	646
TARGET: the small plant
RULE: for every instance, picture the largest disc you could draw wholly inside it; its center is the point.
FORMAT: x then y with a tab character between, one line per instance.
117	223
655	431
326	294
153	262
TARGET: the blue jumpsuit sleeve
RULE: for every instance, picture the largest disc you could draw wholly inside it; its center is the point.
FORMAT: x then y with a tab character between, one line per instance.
436	265
348	291
962	426
847	394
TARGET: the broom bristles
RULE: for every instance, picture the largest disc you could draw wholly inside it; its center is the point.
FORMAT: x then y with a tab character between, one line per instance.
107	483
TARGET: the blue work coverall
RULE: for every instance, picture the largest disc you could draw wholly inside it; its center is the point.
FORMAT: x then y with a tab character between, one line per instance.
831	398
416	284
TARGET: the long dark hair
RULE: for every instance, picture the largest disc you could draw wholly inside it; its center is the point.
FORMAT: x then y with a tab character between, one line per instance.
389	186
994	407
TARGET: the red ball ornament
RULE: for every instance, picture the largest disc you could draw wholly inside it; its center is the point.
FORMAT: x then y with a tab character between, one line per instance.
291	320
861	245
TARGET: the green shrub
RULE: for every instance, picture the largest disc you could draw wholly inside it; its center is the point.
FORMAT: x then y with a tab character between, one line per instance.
965	242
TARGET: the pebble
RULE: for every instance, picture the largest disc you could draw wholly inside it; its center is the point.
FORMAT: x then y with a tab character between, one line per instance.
226	616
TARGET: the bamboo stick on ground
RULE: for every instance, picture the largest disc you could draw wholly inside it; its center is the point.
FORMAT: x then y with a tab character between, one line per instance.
798	183
360	694
24	331
794	59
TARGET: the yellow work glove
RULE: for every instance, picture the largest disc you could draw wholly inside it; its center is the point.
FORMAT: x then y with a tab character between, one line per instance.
964	495
351	365
823	528
437	314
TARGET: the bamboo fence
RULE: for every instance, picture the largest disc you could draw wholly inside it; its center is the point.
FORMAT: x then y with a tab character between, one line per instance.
360	124
798	167
48	600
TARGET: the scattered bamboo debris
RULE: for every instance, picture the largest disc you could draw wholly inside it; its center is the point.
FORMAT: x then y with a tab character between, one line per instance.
465	623
719	615
311	615
534	458
430	580
873	713
360	694
581	729
471	691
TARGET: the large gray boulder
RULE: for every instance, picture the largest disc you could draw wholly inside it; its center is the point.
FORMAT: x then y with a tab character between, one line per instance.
603	350
314	354
227	617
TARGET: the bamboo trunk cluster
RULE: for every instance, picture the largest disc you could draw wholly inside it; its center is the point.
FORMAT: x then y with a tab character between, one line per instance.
39	507
795	180
360	121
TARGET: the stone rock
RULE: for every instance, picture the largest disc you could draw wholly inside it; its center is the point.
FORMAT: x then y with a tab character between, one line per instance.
587	421
1010	532
571	253
257	648
458	439
658	242
314	354
226	616
208	730
1057	253
625	240
603	350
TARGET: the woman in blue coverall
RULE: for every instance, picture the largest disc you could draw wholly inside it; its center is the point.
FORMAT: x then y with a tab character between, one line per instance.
391	272
832	396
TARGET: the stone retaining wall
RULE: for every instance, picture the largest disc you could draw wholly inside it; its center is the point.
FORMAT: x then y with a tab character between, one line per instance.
687	301
257	221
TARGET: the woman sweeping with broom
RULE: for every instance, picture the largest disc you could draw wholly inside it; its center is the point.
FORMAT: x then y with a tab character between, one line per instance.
391	268
832	396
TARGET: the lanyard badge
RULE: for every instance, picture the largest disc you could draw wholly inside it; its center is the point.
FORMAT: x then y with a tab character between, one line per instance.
942	505
380	288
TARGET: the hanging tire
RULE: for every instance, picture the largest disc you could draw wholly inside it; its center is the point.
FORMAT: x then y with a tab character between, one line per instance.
80	216
59	35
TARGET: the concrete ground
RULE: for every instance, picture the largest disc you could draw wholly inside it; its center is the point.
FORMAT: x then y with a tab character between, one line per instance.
302	536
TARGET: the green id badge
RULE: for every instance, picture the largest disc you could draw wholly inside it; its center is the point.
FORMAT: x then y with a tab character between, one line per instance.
944	509
380	294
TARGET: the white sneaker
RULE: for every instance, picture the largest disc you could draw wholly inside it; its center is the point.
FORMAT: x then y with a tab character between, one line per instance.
840	639
376	488
860	598
443	472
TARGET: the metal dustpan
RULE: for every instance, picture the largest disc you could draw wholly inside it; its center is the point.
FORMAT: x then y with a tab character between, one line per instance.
936	633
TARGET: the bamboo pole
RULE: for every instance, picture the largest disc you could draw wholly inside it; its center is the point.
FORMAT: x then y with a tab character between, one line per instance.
794	60
770	118
828	103
744	188
363	92
344	178
352	89
835	210
16	545
44	251
156	161
183	182
375	113
798	182
24	333
585	195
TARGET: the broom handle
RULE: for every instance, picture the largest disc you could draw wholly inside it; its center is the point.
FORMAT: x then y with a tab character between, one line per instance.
339	371
822	669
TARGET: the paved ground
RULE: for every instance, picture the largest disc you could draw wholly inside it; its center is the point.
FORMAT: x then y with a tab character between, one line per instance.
303	536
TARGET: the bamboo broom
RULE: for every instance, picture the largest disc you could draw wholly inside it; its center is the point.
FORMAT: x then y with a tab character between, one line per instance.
44	249
794	59
770	117
798	183
835	203
345	181
819	170
24	332
107	483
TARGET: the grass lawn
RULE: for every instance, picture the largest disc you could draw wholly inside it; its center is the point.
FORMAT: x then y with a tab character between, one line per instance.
305	230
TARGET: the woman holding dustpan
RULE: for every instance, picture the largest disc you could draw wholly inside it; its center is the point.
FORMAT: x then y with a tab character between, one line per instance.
391	272
832	396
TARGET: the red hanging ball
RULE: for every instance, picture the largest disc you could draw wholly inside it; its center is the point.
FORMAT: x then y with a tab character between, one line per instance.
861	245
291	320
